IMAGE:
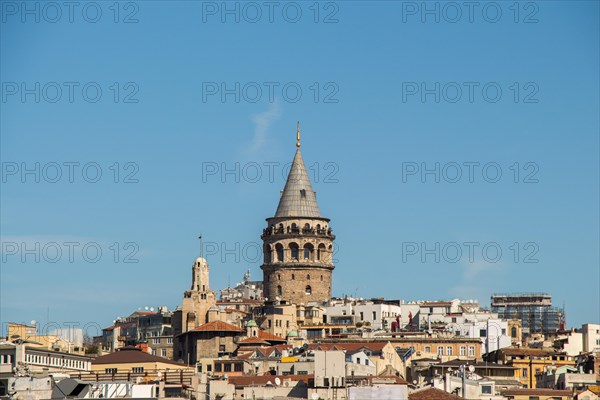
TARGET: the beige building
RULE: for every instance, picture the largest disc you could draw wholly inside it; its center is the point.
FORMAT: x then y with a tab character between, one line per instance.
298	243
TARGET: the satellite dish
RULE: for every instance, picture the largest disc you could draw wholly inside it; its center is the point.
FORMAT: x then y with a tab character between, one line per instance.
471	368
33	321
146	308
277	381
151	308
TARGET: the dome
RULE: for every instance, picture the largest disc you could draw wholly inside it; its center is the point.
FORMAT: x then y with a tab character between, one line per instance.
292	334
251	323
200	260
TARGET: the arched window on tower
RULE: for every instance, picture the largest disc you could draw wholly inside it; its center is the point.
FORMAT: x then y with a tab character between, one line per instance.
308	277
308	251
279	290
267	253
308	290
513	332
294	228
320	251
294	250
279	249
293	276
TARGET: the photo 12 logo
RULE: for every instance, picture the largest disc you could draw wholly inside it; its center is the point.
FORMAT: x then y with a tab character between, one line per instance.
469	172
69	172
69	92
254	92
454	12
53	12
252	12
470	252
266	171
469	92
69	251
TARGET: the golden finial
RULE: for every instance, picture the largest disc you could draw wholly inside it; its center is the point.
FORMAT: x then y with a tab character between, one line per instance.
298	135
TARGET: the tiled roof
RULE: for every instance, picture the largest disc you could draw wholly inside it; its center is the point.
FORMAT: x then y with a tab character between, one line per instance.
217	326
298	198
253	340
264	335
130	355
432	394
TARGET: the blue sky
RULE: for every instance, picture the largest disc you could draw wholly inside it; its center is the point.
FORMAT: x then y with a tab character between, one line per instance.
369	74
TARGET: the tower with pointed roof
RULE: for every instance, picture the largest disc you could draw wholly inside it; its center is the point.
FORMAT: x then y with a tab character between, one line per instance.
298	243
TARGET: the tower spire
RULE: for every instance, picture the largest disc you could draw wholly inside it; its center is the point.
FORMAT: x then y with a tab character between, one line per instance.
298	135
200	238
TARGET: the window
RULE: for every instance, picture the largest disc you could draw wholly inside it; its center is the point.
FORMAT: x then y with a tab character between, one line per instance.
486	389
218	367
358	360
279	251
293	276
374	315
110	371
513	332
294	251
482	333
449	350
287	324
440	350
308	290
170	340
163	352
524	372
209	367
221	347
308	251
308	277
427	349
279	290
534	398
238	367
463	350
362	317
471	351
137	370
227	367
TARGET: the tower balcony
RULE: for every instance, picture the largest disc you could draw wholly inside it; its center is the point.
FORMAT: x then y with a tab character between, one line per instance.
291	231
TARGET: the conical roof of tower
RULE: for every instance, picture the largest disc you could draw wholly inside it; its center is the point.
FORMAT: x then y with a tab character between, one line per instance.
298	198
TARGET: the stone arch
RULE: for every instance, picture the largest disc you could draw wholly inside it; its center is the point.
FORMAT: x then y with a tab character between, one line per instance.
267	253
309	251
279	251
279	290
294	251
308	290
321	252
308	277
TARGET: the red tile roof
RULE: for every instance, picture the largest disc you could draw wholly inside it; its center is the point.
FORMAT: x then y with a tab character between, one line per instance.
432	394
253	340
217	326
264	335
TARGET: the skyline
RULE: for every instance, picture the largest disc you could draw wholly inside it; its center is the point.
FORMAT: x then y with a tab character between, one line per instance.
365	153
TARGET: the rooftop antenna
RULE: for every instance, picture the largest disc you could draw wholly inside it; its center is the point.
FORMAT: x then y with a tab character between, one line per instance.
298	135
200	238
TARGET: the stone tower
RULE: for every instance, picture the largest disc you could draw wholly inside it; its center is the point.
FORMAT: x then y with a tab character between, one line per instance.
199	299
298	243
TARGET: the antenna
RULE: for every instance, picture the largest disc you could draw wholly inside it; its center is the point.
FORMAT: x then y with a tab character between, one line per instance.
200	238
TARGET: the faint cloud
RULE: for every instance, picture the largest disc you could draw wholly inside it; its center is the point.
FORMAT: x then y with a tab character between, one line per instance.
262	123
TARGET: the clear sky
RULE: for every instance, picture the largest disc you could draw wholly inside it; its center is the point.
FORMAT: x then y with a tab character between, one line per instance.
167	99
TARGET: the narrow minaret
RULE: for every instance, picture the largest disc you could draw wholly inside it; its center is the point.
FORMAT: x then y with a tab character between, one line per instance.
298	242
